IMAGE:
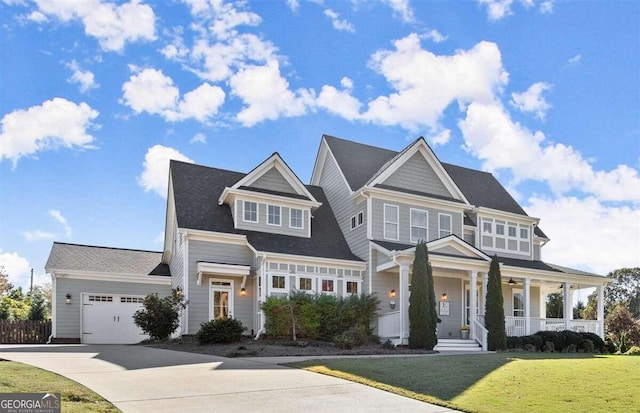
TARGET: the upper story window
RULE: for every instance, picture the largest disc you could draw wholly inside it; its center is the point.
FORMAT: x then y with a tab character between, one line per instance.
250	213
305	284
328	286
279	283
295	218
444	225
273	215
391	222
419	219
357	220
506	236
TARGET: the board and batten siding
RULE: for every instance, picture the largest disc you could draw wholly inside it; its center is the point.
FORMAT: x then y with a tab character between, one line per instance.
404	221
68	316
344	208
262	226
417	175
200	295
273	180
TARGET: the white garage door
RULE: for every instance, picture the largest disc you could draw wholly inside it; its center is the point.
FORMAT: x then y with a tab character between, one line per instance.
108	319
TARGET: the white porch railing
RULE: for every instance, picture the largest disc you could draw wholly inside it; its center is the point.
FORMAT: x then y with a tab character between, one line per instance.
389	325
515	326
480	332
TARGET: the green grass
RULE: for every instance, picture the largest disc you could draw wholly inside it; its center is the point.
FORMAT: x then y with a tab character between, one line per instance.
501	382
22	378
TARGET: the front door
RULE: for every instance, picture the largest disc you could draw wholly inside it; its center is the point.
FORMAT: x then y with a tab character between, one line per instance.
221	299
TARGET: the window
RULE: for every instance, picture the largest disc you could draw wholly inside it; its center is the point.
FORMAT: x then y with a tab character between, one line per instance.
305	284
328	286
418	225
515	240
295	218
518	303
273	215
352	287
250	211
391	222
357	220
278	282
445	224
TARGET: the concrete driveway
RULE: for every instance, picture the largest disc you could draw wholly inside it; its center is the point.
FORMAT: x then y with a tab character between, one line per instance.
142	379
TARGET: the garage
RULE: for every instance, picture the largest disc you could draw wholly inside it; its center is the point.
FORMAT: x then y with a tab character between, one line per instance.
108	319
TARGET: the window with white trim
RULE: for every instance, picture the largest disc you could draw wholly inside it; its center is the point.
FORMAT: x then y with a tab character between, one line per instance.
351	288
305	284
357	220
391	222
250	211
506	236
295	218
444	223
279	283
328	286
273	215
518	303
419	220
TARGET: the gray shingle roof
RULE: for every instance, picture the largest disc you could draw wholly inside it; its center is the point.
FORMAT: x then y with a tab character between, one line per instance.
196	192
480	188
75	257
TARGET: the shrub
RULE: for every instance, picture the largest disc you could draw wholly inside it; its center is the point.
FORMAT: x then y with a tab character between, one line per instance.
548	347
422	302
388	345
494	309
355	336
530	348
160	317
610	345
587	345
221	330
598	342
633	351
514	342
571	348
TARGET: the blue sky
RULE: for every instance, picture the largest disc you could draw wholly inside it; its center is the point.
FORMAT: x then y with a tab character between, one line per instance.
96	96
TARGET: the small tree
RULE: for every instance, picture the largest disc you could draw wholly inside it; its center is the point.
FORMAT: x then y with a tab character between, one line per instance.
555	305
422	310
38	309
494	311
160	317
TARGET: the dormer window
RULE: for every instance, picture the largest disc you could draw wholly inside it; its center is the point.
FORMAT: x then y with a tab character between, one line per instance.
295	218
505	236
250	211
273	215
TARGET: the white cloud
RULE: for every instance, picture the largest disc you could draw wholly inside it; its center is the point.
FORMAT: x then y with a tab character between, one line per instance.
17	267
159	239
112	24
441	137
55	214
532	101
435	36
497	9
84	78
198	138
575	59
546	7
153	92
491	135
155	173
341	25
426	84
401	8
586	233
294	5
38	235
266	94
56	123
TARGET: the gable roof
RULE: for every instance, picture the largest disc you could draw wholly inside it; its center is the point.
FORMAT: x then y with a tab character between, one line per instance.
96	259
196	190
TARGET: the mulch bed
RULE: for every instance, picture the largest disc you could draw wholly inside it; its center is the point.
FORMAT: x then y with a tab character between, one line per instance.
276	348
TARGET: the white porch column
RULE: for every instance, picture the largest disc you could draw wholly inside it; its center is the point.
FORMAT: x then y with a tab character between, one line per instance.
601	311
485	281
567	308
473	288
527	306
404	302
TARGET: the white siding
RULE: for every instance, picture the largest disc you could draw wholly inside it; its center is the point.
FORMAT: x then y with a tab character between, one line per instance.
262	225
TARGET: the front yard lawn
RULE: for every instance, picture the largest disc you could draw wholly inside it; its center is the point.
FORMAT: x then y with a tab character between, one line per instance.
501	382
22	378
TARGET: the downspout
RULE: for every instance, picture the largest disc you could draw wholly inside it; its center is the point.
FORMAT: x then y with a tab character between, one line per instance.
263	282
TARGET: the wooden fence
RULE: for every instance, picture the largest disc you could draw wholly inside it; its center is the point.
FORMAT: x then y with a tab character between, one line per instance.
24	332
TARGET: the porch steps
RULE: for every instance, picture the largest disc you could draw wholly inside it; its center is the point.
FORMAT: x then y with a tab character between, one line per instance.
448	344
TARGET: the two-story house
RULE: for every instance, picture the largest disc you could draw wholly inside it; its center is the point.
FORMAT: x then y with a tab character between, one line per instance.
232	239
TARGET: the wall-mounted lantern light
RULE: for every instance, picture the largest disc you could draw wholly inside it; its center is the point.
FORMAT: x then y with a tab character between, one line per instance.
444	297
392	293
67	298
243	291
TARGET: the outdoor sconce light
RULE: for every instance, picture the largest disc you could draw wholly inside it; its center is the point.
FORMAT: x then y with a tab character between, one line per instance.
392	305
444	297
67	298
511	281
243	291
392	293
